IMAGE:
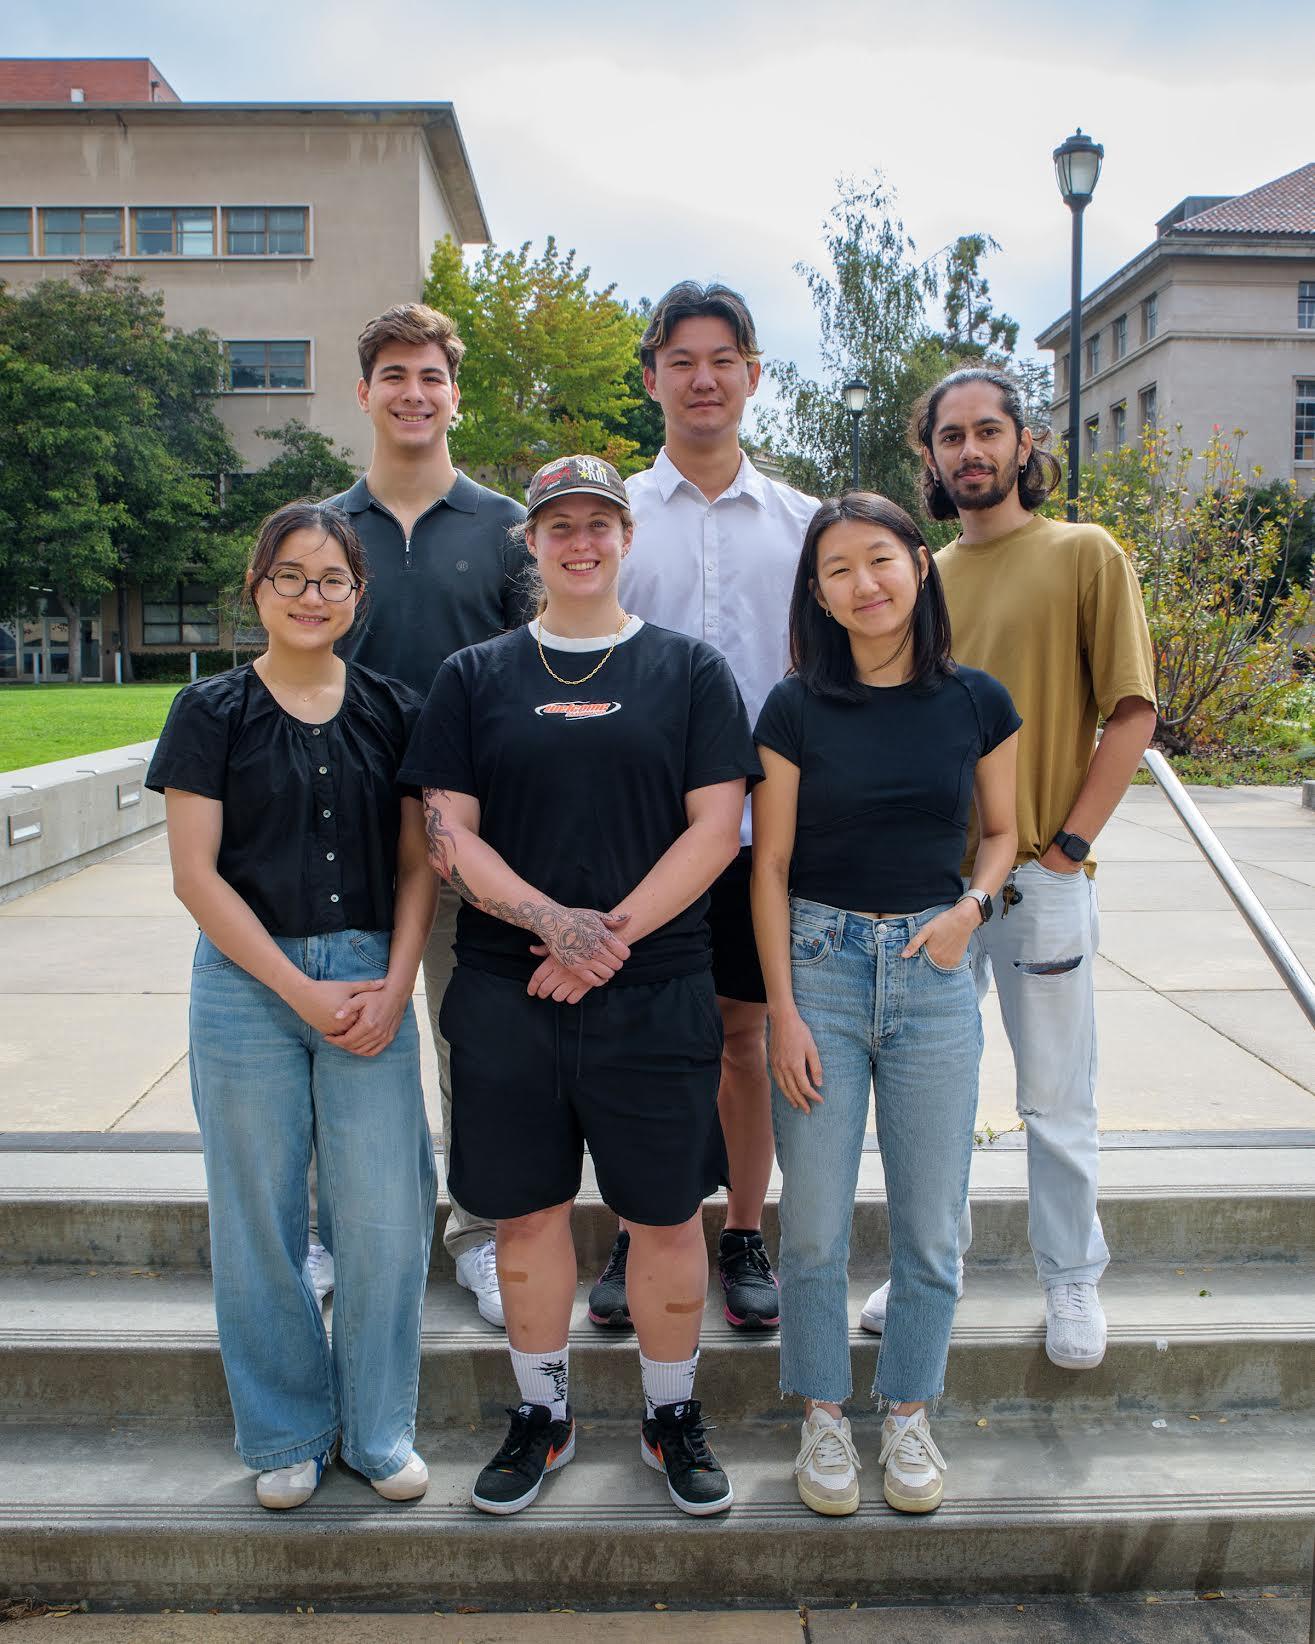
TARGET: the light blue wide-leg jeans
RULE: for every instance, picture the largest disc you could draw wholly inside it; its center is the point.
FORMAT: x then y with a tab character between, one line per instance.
914	1031
264	1082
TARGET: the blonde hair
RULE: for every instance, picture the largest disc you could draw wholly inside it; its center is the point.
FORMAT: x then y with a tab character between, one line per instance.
409	323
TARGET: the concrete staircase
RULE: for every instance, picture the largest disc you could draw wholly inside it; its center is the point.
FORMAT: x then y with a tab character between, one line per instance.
1187	1461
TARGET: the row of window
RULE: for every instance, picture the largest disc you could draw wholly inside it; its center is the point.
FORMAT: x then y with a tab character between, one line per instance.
1303	444
154	231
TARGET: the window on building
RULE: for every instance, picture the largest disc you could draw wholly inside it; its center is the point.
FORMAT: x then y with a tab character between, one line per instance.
173	231
15	231
1120	329
1061	375
76	231
265	231
267	365
1148	409
1093	354
1118	425
1304	446
1306	305
1150	316
1093	437
181	613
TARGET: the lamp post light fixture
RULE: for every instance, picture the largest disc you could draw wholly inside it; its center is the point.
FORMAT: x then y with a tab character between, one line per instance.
856	402
1077	169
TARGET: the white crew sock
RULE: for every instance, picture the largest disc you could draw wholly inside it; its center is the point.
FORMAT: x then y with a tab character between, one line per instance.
542	1378
667	1383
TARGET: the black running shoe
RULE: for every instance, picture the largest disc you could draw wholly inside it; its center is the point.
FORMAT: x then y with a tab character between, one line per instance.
752	1297
535	1445
607	1300
672	1441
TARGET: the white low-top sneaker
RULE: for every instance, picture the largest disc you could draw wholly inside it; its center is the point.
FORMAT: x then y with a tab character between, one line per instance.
410	1481
826	1468
1075	1326
873	1316
319	1267
914	1466
477	1271
290	1486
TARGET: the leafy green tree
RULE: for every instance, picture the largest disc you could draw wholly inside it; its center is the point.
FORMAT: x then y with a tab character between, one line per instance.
133	408
973	330
549	362
1037	381
641	425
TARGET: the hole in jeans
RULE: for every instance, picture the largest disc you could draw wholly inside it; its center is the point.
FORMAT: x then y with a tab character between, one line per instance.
1053	967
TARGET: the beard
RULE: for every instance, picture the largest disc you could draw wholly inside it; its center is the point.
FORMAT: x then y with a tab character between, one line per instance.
982	496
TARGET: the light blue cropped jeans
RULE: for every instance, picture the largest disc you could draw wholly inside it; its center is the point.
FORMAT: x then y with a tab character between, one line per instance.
265	1085
914	1031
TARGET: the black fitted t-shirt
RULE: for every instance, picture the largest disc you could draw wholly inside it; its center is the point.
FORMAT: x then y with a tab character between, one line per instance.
582	787
885	786
311	812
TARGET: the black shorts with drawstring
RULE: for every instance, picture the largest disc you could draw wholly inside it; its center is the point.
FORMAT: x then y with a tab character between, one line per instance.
631	1072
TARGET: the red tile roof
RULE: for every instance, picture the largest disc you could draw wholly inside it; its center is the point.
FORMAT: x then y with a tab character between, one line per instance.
1285	206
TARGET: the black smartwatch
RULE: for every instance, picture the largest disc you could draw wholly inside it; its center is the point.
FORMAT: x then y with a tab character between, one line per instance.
1073	845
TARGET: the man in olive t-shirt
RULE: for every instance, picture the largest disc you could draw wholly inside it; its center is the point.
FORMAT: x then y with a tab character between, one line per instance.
1054	612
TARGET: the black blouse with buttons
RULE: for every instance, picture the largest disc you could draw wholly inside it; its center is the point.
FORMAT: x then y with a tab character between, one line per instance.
311	812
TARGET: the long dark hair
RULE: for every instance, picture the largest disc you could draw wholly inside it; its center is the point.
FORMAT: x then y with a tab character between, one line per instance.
820	653
1039	476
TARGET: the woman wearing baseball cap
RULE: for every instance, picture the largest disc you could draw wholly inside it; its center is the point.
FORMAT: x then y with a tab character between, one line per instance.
583	779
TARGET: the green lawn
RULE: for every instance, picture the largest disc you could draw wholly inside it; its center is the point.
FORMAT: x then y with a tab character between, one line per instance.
39	723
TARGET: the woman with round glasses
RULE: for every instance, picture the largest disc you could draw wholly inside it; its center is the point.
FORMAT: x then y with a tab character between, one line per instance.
304	865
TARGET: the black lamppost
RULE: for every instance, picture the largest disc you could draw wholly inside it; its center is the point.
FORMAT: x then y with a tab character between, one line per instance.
856	401
1077	167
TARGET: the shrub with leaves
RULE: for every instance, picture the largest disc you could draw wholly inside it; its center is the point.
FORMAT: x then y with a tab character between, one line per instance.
1212	552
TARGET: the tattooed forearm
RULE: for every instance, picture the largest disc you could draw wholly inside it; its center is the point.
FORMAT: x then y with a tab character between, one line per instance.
438	837
571	934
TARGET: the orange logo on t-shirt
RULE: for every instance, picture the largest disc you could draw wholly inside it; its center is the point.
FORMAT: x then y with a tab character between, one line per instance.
577	710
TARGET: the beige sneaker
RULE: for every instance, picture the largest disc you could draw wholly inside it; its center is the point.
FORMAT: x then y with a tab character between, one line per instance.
826	1468
913	1465
410	1481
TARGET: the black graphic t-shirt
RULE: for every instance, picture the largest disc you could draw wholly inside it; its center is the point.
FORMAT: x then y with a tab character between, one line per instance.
885	786
582	787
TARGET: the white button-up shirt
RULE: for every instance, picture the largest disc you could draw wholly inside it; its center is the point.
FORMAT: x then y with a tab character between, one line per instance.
721	571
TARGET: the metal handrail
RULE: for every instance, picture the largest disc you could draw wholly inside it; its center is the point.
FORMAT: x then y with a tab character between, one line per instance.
1295	976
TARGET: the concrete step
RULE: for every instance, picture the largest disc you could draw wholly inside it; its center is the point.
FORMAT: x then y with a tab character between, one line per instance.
107	1341
1190	1204
155	1514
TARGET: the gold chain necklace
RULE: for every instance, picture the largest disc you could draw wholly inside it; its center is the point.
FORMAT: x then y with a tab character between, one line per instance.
616	640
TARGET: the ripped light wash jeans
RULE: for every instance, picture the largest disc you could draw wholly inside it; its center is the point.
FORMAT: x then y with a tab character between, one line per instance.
1043	954
265	1084
914	1031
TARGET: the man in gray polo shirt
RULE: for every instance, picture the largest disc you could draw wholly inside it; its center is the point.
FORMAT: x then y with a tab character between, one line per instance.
444	573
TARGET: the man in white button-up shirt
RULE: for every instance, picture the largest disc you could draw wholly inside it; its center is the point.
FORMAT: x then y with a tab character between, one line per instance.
715	551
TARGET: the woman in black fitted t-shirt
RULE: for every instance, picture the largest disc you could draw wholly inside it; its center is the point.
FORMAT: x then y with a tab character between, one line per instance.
873	750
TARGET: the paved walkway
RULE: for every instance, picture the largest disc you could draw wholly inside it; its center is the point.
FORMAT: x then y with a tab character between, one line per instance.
1197	1033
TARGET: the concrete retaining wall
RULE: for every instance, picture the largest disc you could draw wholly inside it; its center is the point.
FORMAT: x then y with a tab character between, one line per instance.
57	818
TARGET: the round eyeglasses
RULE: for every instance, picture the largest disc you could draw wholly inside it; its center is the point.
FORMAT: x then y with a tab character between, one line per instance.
335	586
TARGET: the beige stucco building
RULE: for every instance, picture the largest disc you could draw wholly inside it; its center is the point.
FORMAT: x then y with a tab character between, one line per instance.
282	228
1213	324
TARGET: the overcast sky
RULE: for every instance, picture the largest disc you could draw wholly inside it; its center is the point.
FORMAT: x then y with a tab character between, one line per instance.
704	137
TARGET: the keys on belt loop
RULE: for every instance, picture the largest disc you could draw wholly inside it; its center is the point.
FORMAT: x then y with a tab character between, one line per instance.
1008	896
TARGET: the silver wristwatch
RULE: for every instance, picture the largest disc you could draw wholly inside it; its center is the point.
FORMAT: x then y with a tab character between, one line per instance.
983	901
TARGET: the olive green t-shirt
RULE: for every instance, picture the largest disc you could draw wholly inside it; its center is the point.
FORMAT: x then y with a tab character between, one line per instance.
1054	612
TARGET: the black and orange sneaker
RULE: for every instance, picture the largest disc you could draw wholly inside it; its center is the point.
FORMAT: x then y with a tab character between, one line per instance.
672	1441
535	1444
608	1306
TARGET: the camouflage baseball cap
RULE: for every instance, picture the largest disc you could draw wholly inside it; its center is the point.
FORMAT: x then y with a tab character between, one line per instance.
573	476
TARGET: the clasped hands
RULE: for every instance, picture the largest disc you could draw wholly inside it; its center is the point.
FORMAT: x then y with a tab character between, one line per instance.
580	950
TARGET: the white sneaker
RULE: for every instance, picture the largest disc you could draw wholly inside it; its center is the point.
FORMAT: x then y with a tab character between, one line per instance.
319	1269
826	1468
410	1481
913	1465
873	1316
477	1271
290	1486
1075	1326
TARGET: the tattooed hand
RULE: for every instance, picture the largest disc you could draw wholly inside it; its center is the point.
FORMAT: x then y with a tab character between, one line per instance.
579	939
